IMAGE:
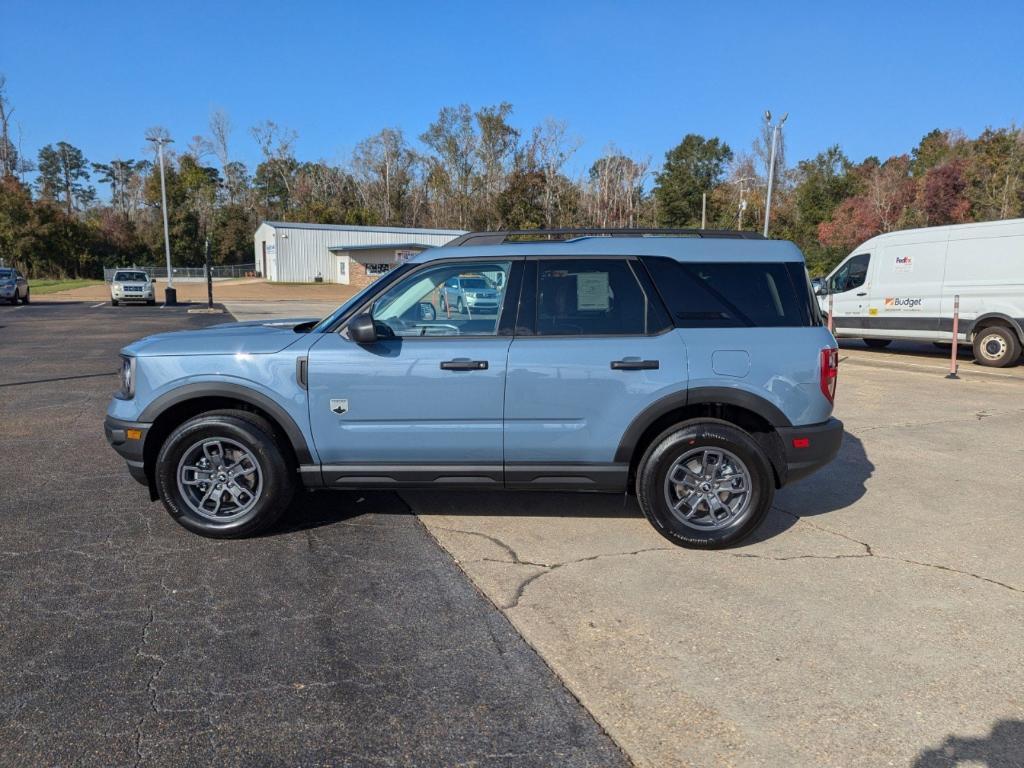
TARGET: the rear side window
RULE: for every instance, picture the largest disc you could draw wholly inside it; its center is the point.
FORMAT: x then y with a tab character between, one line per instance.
734	294
594	297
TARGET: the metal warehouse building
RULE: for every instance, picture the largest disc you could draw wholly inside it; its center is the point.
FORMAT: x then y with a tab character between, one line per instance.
290	252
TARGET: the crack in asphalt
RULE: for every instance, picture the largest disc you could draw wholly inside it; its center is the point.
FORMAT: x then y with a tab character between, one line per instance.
58	378
976	416
150	685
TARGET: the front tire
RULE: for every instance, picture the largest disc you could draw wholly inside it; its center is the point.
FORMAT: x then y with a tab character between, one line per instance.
878	343
28	296
996	346
113	302
223	475
705	484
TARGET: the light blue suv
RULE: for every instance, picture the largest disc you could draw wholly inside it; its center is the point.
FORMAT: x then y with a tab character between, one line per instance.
691	367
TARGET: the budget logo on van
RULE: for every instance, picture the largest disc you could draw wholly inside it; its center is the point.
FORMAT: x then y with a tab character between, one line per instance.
904	264
902	304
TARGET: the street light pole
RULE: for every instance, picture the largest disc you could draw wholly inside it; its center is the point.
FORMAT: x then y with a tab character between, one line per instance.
771	167
170	295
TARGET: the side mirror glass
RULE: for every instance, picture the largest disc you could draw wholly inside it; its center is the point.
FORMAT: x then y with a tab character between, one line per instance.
361	329
427	312
821	289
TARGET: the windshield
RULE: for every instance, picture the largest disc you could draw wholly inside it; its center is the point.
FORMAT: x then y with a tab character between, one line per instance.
130	277
6	274
360	297
474	282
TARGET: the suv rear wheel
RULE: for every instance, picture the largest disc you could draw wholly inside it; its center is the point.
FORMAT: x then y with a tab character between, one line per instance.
878	343
996	346
704	484
223	475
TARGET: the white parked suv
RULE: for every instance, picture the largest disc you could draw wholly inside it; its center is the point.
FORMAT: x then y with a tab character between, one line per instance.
131	285
466	293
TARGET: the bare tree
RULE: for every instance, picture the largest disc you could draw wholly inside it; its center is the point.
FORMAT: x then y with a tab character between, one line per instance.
8	154
613	193
549	150
278	147
384	170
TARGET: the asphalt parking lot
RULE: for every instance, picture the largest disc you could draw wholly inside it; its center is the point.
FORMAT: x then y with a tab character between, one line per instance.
348	637
875	620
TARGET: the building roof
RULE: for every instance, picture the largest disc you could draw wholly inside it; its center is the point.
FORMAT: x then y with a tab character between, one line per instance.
354	228
380	247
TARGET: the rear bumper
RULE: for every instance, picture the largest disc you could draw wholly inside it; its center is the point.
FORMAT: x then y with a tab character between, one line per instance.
130	448
822	444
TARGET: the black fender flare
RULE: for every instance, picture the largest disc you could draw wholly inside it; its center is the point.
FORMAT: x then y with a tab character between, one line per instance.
234	392
724	395
1012	323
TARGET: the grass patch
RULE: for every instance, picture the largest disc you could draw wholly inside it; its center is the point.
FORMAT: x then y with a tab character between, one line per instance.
40	287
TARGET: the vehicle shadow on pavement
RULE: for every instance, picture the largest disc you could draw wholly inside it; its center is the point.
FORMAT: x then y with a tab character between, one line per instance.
310	510
1002	748
838	485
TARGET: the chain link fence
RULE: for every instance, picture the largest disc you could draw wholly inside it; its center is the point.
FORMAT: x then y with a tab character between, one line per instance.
220	272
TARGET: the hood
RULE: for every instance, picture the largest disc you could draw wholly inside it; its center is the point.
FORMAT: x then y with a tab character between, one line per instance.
253	337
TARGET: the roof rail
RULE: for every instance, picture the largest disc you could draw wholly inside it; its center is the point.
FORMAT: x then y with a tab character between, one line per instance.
533	235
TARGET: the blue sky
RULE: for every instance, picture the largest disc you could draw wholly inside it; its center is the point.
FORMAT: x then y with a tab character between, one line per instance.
872	77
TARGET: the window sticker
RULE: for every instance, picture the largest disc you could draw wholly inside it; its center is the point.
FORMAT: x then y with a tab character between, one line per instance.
592	291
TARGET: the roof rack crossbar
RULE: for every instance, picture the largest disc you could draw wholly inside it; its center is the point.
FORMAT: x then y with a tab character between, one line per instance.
533	235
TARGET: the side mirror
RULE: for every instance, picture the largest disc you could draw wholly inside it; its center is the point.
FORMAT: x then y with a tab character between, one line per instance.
427	312
821	290
361	329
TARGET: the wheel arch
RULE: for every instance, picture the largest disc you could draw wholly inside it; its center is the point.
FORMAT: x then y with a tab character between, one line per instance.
178	406
756	415
990	319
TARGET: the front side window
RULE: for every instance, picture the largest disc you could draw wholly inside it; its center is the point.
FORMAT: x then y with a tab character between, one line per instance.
851	275
590	297
455	299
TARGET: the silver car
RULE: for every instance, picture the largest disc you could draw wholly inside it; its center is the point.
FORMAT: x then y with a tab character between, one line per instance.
467	293
13	286
131	285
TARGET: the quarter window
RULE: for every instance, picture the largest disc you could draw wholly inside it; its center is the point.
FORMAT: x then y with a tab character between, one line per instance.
734	294
460	299
591	297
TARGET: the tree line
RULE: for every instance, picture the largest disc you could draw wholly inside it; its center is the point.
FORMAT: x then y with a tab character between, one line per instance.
474	169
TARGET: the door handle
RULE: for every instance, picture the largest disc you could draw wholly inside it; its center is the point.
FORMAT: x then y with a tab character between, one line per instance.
635	364
464	365
863	293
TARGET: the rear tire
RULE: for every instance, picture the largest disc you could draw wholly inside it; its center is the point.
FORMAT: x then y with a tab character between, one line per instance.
28	296
996	346
690	465
878	343
235	506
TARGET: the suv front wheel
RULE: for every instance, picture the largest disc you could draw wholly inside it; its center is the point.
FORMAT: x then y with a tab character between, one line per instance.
704	484
222	474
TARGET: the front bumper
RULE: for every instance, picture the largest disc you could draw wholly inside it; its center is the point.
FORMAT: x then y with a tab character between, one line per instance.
807	449
128	438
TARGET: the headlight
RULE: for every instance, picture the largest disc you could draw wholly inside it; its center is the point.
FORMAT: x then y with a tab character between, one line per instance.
127	377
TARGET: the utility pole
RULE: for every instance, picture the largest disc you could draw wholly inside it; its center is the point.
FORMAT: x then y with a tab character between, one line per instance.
771	165
704	211
170	295
742	181
209	277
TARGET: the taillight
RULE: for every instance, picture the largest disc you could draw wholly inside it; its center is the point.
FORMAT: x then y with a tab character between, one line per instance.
829	372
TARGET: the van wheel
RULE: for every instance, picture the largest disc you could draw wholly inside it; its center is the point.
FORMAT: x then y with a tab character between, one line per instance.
113	302
223	475
996	346
878	343
704	484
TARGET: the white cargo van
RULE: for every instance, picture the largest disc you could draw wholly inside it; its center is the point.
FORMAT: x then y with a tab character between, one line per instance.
901	285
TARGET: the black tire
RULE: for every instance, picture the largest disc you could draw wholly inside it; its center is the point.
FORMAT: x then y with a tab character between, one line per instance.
878	343
256	435
444	304
150	302
113	302
460	307
28	296
673	444
996	346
